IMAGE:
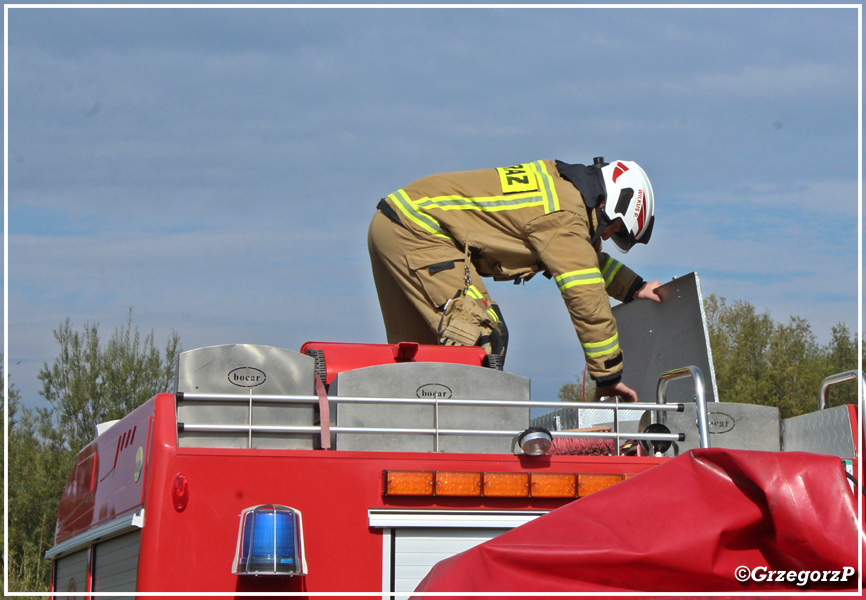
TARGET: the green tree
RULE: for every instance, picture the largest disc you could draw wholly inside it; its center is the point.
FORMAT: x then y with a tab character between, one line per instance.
841	356
582	389
739	339
90	383
759	361
11	399
795	368
38	467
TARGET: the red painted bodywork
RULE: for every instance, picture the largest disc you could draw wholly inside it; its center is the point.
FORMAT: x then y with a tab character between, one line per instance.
341	357
102	486
192	550
189	548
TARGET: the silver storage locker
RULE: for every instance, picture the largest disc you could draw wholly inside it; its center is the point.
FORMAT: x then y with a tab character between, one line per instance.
246	370
430	381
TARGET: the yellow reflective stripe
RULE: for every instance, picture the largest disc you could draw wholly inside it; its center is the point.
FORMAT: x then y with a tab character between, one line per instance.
611	267
407	207
484	204
417	210
473	292
583	277
608	346
551	198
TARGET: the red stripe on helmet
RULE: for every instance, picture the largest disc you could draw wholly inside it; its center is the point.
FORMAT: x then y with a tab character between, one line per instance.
618	170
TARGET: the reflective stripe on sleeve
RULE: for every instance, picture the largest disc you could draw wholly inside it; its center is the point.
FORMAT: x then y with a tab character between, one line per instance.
611	268
582	277
595	349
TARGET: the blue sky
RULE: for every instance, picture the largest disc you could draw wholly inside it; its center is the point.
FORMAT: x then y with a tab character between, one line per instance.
215	169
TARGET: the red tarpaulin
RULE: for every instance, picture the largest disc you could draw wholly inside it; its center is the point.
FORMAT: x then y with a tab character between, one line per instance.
693	524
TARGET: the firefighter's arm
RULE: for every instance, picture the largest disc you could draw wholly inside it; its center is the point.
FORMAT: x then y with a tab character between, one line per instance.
649	291
622	283
562	244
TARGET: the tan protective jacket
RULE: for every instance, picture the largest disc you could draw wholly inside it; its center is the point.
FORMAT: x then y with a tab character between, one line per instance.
518	221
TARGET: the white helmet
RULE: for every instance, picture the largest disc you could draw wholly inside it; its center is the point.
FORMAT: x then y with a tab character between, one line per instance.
630	198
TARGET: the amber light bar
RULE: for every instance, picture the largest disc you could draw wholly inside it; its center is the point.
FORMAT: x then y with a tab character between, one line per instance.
497	484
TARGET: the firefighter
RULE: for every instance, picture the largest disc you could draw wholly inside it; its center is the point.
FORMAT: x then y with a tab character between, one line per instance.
432	241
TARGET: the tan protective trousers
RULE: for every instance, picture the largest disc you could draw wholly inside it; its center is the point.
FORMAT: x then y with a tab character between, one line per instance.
411	294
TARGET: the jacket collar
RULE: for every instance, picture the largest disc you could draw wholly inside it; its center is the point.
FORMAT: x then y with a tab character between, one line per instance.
590	184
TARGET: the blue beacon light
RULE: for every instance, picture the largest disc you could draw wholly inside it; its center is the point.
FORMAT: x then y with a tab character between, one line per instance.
270	542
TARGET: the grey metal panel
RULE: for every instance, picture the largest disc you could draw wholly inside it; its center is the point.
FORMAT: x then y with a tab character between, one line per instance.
563	419
731	425
219	370
590	417
823	432
245	369
419	380
70	573
115	564
559	419
658	337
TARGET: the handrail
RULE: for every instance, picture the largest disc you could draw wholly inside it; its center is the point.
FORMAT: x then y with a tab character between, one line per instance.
604	435
435	402
839	378
301	399
701	402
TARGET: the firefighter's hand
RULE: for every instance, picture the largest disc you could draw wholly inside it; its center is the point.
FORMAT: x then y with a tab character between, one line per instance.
617	389
648	291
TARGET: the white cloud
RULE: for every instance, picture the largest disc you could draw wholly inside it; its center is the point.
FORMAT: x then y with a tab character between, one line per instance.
218	168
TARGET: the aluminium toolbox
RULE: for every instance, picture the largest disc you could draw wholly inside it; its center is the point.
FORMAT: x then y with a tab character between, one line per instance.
431	383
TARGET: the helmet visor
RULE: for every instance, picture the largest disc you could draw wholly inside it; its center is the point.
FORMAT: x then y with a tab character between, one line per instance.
625	239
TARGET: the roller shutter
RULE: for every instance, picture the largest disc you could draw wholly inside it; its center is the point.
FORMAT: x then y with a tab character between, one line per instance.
70	574
417	549
115	564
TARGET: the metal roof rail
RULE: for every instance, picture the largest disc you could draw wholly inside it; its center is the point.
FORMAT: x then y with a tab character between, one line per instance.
660	406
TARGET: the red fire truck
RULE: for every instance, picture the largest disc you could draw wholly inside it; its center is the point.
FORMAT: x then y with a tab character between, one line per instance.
208	491
357	467
155	503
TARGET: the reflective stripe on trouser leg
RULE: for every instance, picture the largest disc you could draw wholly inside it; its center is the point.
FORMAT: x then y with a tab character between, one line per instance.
473	292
